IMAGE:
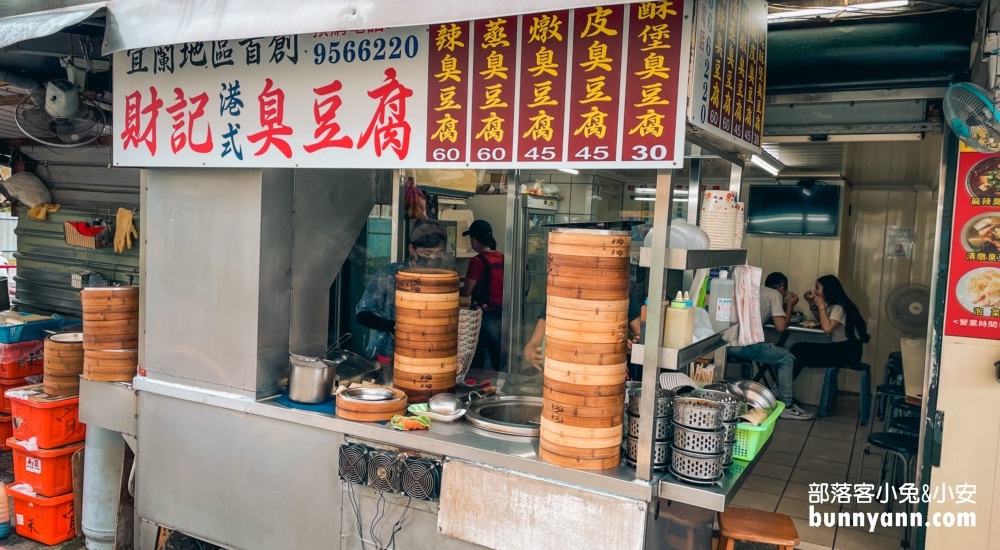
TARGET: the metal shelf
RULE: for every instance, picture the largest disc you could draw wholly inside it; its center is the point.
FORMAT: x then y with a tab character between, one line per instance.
678	258
671	359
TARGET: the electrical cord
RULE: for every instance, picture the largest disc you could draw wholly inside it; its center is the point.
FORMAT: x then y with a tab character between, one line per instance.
398	526
379	515
356	507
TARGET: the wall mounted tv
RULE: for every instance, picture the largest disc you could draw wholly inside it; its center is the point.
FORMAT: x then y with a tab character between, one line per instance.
794	209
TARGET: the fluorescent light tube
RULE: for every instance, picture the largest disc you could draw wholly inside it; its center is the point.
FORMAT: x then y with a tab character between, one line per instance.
768	163
569	171
833	10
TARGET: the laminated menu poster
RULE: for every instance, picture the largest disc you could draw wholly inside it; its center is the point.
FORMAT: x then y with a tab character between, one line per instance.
973	304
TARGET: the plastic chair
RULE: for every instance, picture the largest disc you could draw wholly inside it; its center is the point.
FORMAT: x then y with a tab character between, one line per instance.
829	392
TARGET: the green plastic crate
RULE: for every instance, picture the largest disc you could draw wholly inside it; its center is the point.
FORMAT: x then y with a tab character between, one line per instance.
750	439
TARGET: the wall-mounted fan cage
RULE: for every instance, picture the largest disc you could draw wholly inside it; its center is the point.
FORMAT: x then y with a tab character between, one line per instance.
971	111
58	114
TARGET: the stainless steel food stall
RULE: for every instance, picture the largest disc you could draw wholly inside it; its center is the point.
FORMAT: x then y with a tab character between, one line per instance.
236	267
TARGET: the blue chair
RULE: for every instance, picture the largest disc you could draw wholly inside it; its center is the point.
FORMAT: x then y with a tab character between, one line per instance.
829	393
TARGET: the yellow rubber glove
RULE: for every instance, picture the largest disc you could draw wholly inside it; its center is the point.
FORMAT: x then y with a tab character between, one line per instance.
41	211
124	230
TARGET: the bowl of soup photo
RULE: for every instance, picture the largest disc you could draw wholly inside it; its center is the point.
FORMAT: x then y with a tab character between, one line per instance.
983	180
982	233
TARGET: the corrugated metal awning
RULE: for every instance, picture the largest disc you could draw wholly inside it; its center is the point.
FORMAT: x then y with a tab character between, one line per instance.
133	24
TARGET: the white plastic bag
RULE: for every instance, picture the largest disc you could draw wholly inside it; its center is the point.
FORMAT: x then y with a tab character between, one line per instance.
28	189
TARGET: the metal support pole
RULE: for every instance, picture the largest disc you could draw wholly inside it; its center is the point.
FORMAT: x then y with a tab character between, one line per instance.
654	324
694	190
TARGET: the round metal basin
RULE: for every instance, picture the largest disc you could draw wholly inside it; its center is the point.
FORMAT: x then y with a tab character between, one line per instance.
511	414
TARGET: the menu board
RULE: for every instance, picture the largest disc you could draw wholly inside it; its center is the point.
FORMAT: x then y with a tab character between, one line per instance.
728	79
973	303
596	87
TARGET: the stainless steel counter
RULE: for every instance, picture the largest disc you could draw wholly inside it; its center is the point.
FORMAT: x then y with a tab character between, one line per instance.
460	440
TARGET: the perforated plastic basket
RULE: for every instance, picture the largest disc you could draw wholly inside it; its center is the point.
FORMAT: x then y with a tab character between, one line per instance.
750	439
35	330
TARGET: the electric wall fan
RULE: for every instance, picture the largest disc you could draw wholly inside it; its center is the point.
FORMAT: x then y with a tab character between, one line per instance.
973	116
59	117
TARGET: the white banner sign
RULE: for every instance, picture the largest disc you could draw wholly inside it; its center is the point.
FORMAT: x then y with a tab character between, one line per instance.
337	99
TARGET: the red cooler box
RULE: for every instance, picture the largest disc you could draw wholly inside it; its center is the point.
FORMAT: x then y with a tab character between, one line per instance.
48	471
46	520
22	359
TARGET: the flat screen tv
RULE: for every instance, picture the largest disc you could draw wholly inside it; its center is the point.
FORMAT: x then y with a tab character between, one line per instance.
794	210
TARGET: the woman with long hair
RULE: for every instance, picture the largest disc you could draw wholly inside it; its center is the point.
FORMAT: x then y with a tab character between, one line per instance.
838	317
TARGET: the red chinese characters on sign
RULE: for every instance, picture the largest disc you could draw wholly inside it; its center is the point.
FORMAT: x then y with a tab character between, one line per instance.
140	120
272	120
651	75
184	122
388	126
493	87
973	302
542	104
448	92
327	132
597	63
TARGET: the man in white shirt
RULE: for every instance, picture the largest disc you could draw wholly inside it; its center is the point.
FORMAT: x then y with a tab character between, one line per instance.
776	303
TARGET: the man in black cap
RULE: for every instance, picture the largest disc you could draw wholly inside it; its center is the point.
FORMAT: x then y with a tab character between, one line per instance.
377	307
484	284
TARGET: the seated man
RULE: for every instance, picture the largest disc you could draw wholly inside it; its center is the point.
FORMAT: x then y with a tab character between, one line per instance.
772	294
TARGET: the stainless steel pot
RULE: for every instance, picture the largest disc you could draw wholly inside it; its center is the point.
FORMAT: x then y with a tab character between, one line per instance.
310	379
699	441
661	452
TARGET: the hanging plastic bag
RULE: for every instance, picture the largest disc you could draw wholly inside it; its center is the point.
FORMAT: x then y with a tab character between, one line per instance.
416	203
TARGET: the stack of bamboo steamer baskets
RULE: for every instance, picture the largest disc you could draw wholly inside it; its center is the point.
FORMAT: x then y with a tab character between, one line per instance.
425	360
586	328
110	333
63	357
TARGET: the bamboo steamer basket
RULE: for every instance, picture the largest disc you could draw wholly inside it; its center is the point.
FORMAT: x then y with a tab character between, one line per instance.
595	315
109	375
586	237
118	343
426	297
589	250
587	261
587	293
110	365
405	361
582	442
367	417
94	298
391	407
551	404
583	421
61	386
420	336
586	272
420	395
430	318
570	377
447	305
110	315
584	358
561	398
615	369
610	335
564	451
581	325
426	275
413	378
591	348
124	326
576	431
587	305
426	369
592	283
424	328
608	390
428	351
579	463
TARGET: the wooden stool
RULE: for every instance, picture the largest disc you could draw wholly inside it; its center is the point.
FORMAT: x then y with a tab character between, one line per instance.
756	526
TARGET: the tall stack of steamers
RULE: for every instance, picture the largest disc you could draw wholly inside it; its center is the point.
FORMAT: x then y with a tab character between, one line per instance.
425	361
110	333
586	328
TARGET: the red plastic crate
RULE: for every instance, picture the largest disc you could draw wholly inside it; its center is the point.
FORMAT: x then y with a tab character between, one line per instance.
6	431
53	421
48	471
22	359
46	520
7	385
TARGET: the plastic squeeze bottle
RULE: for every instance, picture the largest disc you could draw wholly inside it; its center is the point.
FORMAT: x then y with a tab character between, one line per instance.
721	310
678	324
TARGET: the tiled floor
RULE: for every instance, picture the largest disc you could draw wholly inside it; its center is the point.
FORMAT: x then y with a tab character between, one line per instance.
823	450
